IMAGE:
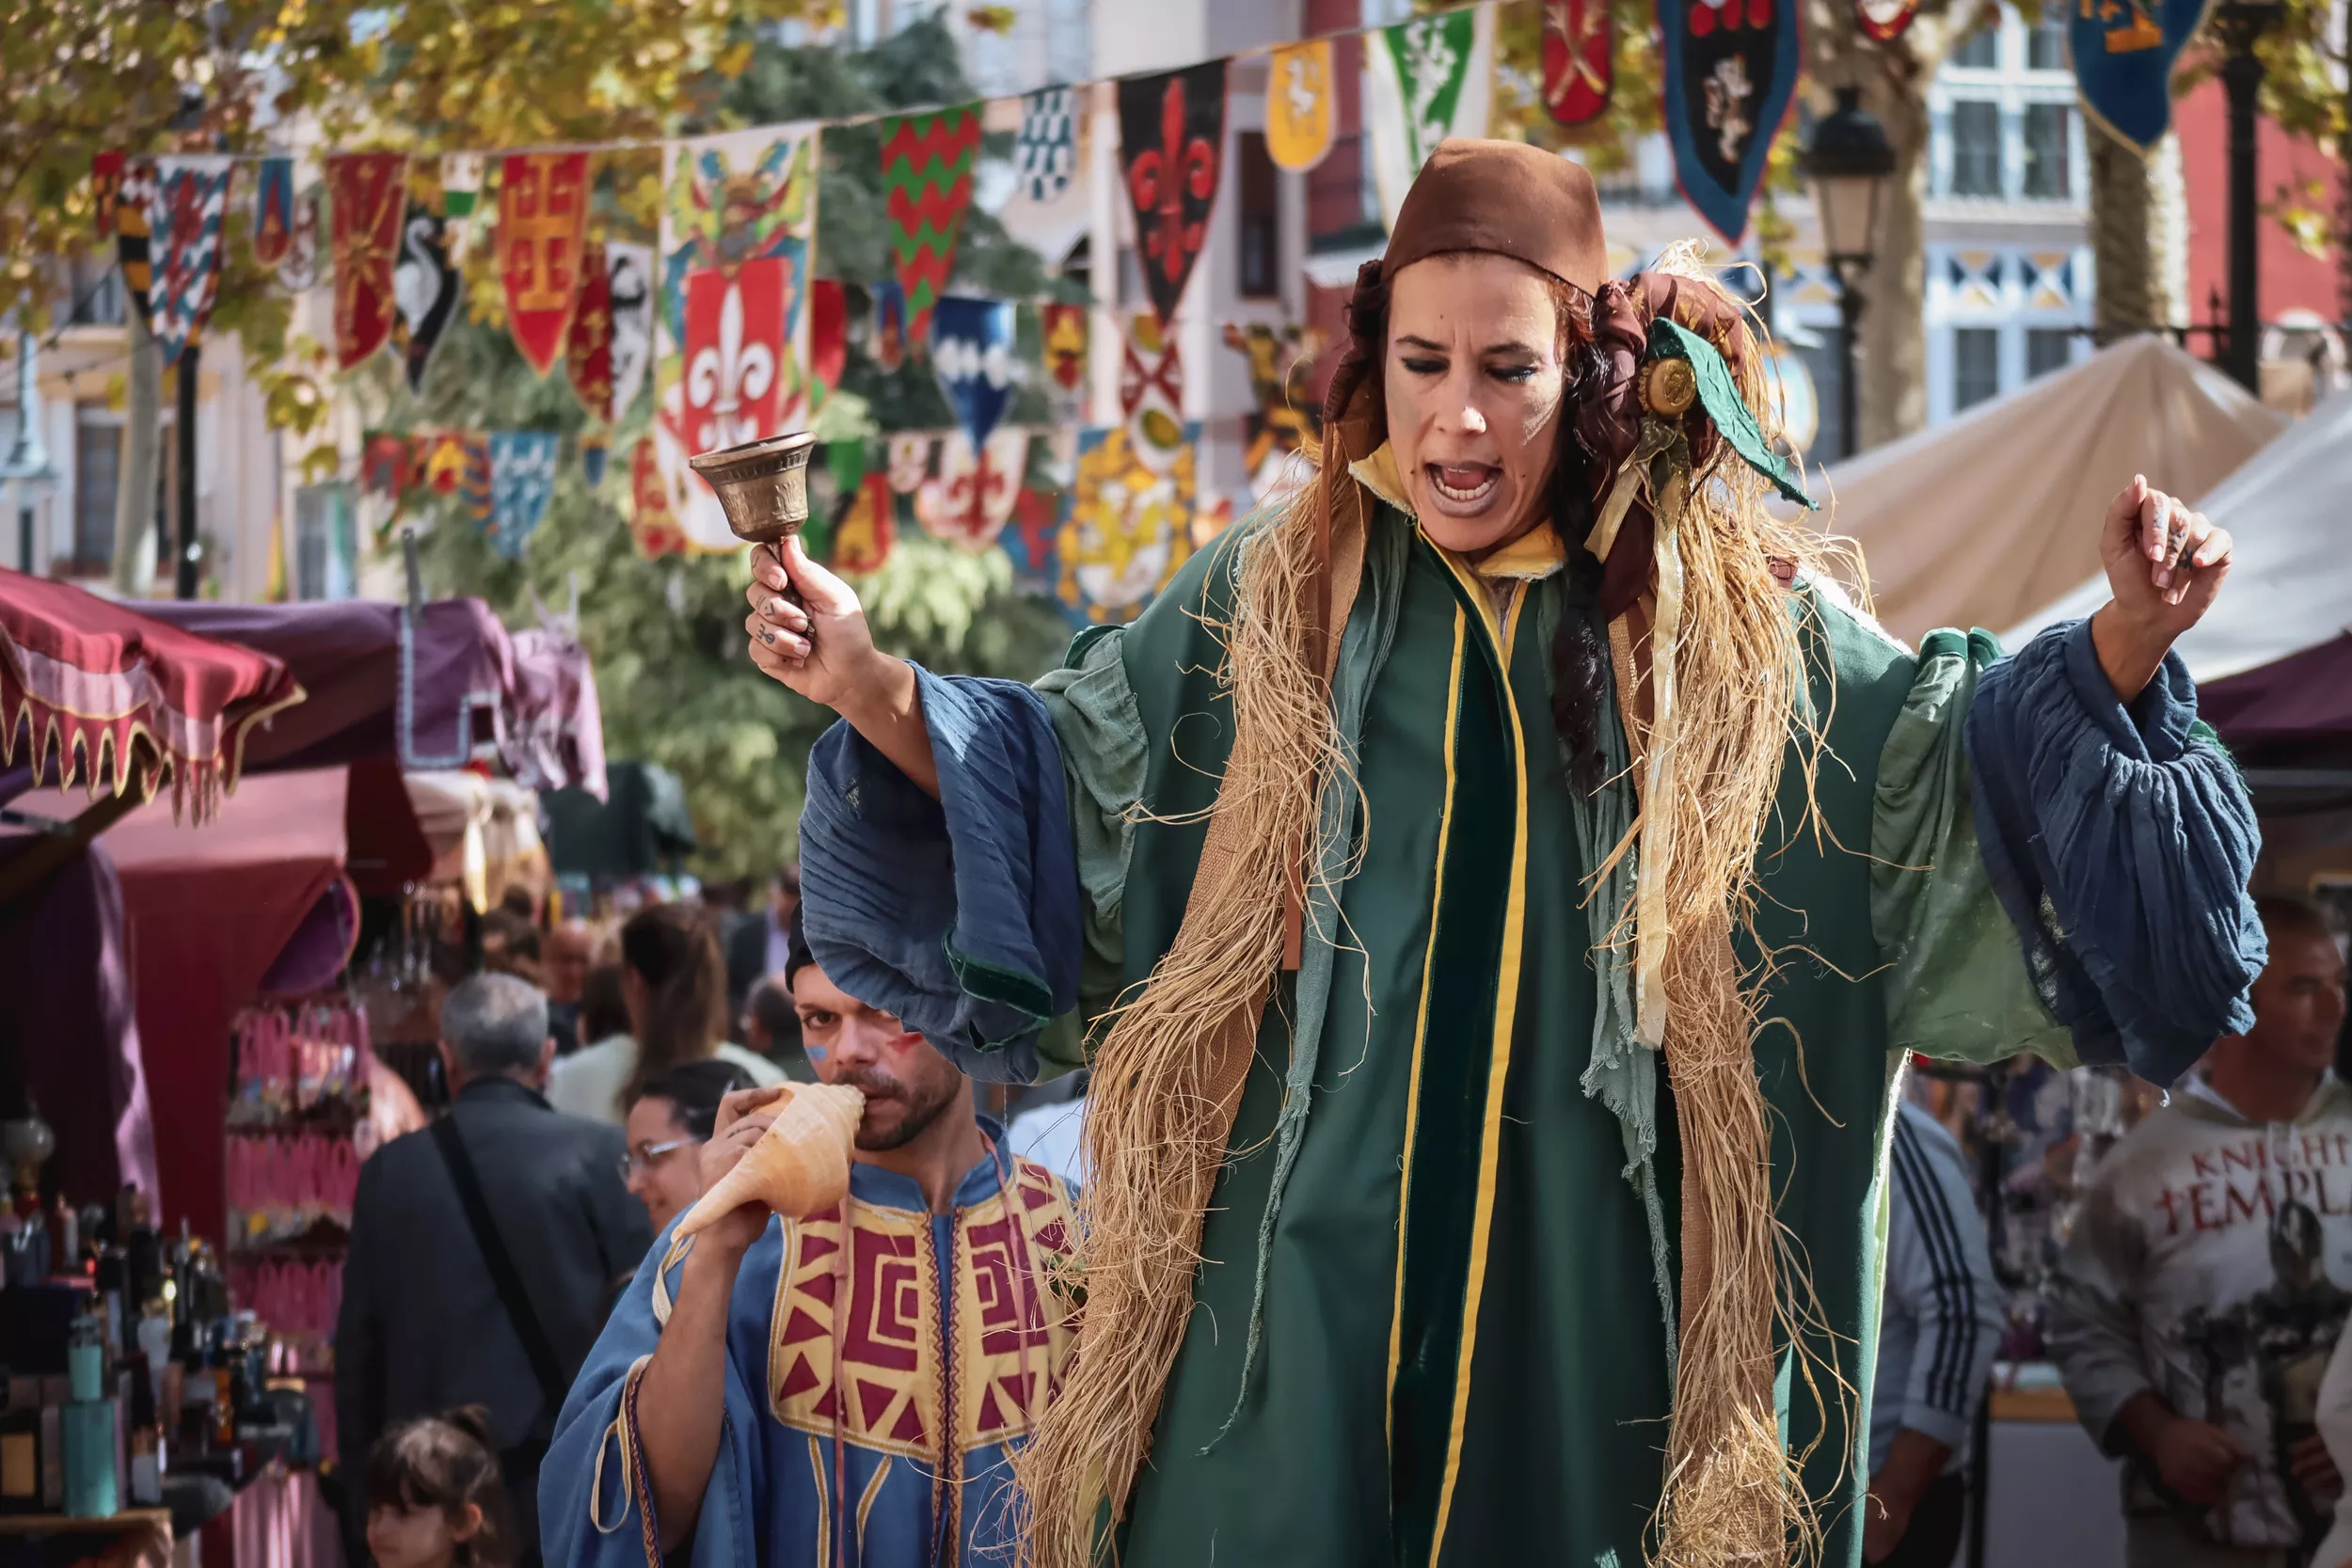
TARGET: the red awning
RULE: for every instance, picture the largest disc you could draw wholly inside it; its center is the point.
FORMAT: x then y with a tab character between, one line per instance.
100	696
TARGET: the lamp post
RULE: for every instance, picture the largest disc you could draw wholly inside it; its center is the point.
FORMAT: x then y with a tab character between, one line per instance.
1848	164
26	467
2237	27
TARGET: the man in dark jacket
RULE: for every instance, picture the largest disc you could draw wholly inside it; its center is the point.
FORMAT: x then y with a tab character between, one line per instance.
480	1264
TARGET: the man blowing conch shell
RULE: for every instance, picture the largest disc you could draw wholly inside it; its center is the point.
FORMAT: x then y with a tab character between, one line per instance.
826	1358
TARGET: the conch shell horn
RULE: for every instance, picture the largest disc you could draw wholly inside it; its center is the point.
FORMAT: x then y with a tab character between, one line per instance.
800	1166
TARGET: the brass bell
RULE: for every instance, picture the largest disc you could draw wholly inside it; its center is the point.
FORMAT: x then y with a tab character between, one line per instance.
763	484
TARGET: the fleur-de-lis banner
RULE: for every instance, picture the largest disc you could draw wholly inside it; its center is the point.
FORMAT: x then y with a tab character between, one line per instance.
888	345
2124	52
543	216
1579	58
1064	329
424	290
523	476
972	355
1171	136
1045	155
105	181
1884	20
1425	80
828	335
588	346
273	209
135	251
1299	104
927	185
1729	75
299	270
738	227
191	200
629	269
366	196
971	500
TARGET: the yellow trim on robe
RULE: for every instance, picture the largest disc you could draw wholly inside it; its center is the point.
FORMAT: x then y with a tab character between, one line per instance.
1499	1069
1421	1024
866	1503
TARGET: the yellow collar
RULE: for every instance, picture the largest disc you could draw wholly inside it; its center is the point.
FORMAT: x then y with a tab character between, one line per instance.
1534	555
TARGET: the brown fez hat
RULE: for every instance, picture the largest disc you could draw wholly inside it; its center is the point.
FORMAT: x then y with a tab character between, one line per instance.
1508	197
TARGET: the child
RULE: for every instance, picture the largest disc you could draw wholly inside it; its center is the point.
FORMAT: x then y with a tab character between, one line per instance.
435	1498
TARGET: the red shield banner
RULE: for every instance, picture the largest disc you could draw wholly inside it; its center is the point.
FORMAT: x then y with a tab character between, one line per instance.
588	343
1580	65
366	192
1065	344
735	347
543	213
828	332
1885	20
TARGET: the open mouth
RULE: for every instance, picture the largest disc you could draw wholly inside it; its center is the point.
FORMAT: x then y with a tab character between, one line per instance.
1462	484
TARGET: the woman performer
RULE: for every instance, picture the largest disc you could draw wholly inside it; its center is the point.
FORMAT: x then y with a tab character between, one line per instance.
1392	851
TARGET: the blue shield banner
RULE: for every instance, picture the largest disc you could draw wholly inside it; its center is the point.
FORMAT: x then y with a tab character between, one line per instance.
888	346
523	476
272	211
2123	52
972	355
1730	75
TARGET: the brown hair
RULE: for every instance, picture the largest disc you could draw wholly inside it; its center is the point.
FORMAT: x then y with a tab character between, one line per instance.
673	948
445	1461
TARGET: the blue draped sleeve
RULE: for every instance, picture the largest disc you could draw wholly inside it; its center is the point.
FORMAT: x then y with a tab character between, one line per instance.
960	914
594	1510
2120	841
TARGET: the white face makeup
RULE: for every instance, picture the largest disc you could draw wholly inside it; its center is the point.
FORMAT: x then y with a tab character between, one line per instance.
1473	379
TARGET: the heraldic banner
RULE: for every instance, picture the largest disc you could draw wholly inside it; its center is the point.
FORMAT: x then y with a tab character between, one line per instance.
1298	106
1171	128
926	183
739	249
1580	59
543	219
1730	73
367	194
191	201
2124	52
1425	80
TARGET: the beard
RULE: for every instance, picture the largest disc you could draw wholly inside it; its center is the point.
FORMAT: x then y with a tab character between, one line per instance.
919	1107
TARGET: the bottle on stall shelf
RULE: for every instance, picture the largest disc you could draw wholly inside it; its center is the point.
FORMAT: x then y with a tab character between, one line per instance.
20	1446
147	1439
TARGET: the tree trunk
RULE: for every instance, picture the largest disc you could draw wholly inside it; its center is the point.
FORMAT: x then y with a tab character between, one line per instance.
142	445
2138	236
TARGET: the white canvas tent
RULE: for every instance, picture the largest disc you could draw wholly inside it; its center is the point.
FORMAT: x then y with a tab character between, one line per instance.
2290	587
1978	522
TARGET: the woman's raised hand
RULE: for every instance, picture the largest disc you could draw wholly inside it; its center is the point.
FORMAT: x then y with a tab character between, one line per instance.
2165	563
807	628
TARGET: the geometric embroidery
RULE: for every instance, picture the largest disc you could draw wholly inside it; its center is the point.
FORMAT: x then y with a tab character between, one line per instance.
1013	1339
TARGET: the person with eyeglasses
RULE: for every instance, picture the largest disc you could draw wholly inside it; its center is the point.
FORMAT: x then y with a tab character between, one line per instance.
666	1128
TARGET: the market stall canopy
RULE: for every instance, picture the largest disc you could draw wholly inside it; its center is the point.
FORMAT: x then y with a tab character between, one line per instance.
437	686
484	834
1979	520
98	695
2273	659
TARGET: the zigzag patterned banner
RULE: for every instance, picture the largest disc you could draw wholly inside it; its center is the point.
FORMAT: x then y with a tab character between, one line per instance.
927	177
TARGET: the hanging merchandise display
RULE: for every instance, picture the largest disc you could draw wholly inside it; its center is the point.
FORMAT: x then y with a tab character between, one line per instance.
909	461
927	165
972	344
106	183
739	228
366	195
828	335
273	209
1425	81
861	543
588	344
1063	327
523	476
1045	155
629	271
1151	395
2123	52
543	217
888	345
1579	58
299	270
972	500
1298	106
461	199
1729	75
424	290
191	200
1171	128
1126	531
1285	415
135	205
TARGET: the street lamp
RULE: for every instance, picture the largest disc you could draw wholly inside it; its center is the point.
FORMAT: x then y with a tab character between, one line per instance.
2236	25
1848	164
26	467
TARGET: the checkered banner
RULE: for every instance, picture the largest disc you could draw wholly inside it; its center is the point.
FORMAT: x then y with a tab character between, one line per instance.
1045	155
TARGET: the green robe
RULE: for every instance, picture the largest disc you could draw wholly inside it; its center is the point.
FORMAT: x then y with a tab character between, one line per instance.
1465	1355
